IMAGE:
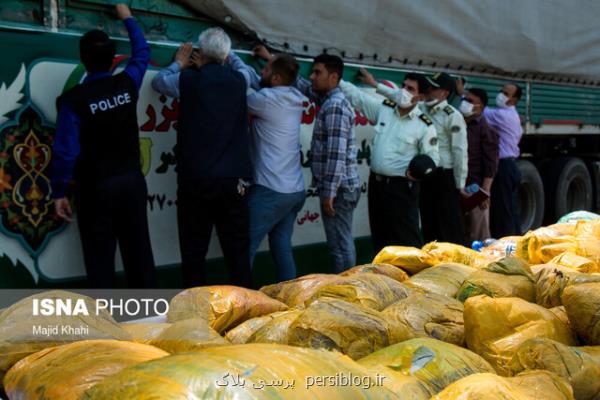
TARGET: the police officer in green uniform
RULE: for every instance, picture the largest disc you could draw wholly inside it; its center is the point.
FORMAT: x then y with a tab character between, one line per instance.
402	131
440	192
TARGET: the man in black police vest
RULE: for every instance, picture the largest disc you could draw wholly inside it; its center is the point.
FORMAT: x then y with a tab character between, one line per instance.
97	145
213	158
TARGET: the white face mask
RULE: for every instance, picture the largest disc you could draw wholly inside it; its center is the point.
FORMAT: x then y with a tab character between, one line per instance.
404	98
501	100
432	103
466	108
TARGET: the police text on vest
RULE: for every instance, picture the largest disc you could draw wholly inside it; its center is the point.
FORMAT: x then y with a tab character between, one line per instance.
110	103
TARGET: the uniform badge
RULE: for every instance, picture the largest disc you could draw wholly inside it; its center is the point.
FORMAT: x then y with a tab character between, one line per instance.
433	141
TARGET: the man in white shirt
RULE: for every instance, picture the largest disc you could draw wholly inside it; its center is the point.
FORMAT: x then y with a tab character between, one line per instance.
278	193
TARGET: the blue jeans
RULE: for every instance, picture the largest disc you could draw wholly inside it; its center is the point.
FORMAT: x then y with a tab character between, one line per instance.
338	229
274	213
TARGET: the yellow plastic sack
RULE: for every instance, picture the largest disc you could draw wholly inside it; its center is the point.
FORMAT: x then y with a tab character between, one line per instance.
565	228
495	328
297	291
388	270
276	330
551	251
18	338
593	351
551	280
144	332
529	247
410	259
429	315
188	335
256	371
496	285
370	290
561	313
576	366
444	279
454	253
224	307
241	333
434	363
65	372
534	385
582	303
353	329
575	262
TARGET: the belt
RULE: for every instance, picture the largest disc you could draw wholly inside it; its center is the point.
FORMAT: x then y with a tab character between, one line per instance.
389	179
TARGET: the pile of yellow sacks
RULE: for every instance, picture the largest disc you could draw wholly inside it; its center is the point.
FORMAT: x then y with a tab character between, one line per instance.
440	322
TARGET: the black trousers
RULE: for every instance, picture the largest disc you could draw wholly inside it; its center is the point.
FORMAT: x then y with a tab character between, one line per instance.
440	208
111	211
202	205
393	212
504	214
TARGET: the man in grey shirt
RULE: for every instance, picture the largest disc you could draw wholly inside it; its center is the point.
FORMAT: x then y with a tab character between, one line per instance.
278	193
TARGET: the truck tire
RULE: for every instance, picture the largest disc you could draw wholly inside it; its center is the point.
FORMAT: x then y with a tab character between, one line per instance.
531	196
569	187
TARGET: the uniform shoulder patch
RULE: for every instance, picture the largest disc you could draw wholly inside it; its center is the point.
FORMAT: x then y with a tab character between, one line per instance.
433	141
425	119
455	129
389	103
448	110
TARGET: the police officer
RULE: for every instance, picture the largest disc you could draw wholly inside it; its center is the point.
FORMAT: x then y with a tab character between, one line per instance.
440	192
97	145
402	131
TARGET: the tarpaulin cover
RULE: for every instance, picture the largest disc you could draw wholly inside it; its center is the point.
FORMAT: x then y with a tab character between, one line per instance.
544	36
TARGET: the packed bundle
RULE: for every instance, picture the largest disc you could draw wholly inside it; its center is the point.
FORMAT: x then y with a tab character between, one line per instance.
224	307
593	351
388	270
297	291
533	385
529	247
508	277
576	262
277	329
495	328
249	371
370	290
551	281
65	372
241	333
429	315
188	335
500	248
144	332
434	363
454	253
22	333
582	303
444	279
353	329
570	363
561	313
410	259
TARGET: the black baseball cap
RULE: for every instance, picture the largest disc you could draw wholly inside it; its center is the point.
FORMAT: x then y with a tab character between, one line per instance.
420	166
442	80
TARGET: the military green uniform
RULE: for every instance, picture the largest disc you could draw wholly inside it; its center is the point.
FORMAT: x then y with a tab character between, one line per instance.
393	199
